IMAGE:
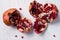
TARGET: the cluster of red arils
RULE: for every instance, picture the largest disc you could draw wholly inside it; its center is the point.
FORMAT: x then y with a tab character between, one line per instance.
43	14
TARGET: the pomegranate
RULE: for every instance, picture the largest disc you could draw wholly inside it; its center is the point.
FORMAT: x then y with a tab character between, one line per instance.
24	25
51	12
40	25
35	8
11	16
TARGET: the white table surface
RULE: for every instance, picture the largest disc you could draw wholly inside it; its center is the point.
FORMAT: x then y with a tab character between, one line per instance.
8	33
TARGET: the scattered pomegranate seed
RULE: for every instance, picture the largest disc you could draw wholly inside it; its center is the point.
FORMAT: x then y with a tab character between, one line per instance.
20	8
54	35
22	37
15	35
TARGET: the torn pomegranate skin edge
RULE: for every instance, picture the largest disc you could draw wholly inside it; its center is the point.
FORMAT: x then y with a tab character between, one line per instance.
24	25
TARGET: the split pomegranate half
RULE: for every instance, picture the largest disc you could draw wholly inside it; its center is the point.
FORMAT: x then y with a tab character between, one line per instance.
11	16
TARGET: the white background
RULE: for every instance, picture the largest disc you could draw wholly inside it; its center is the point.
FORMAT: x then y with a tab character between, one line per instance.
8	33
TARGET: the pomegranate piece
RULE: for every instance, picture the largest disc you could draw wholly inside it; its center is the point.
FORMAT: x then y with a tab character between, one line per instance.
48	7
51	12
35	9
11	16
40	25
24	25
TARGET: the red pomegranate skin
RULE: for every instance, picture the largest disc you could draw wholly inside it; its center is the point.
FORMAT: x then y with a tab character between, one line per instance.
10	16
